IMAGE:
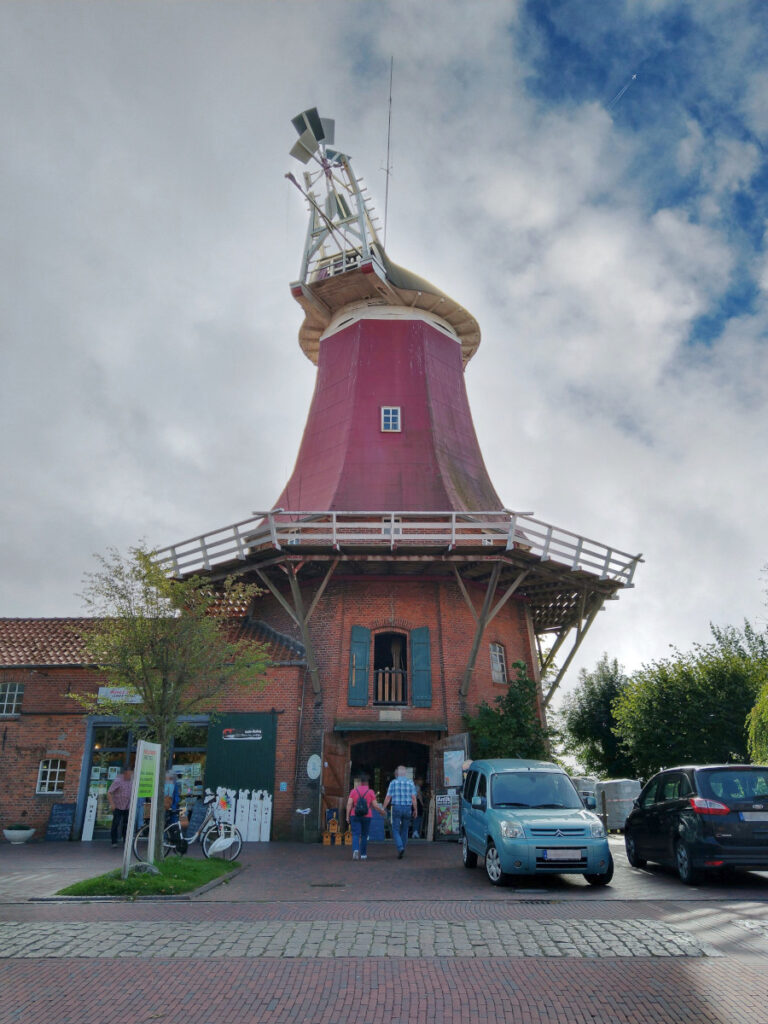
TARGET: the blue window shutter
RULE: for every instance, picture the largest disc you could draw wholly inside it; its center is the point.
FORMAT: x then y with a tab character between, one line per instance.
359	657
421	668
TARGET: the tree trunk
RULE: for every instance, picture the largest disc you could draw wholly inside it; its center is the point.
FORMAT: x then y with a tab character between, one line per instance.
158	805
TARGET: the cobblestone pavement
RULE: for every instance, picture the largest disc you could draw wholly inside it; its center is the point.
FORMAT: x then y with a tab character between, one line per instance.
362	938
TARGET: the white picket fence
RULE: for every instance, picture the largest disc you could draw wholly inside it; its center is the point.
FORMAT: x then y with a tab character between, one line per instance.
250	811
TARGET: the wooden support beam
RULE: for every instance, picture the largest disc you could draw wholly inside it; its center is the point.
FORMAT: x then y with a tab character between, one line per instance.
581	632
296	613
464	592
277	595
321	588
302	620
506	596
482	621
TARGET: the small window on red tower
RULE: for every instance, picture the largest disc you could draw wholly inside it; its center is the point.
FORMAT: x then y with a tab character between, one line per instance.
390	419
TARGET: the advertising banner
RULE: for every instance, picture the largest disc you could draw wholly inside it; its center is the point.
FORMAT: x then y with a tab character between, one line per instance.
146	785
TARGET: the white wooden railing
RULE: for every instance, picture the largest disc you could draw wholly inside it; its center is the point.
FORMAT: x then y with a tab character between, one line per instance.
340	531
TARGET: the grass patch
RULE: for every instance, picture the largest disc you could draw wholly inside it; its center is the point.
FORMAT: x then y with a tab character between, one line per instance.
177	875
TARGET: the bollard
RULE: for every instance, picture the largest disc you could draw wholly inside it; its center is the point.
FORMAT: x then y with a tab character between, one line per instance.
604	812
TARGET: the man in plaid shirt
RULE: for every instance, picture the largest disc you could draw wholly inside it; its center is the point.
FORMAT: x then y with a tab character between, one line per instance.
402	795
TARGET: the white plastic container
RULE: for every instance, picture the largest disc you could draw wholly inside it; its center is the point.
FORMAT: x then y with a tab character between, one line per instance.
585	784
619	797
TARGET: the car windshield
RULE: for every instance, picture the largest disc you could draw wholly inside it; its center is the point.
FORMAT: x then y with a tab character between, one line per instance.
533	789
734	784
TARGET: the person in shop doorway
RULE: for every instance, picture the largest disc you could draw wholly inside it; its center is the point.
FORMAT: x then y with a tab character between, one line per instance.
172	796
402	795
119	797
360	802
419	818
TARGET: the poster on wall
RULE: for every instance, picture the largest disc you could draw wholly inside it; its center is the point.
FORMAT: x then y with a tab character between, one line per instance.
452	762
446	815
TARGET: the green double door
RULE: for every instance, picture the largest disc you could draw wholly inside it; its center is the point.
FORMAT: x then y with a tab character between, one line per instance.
241	752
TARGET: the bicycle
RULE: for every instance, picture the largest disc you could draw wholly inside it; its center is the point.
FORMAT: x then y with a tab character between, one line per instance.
217	838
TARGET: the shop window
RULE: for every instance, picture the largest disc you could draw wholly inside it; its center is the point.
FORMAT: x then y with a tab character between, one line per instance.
50	776
10	698
498	663
390	668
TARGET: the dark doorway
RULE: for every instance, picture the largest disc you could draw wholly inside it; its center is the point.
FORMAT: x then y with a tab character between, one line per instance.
379	758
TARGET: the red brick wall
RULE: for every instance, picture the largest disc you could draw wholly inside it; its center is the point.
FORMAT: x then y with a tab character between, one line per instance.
405	605
50	726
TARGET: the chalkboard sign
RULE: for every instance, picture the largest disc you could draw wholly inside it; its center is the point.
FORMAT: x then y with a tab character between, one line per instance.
196	817
60	822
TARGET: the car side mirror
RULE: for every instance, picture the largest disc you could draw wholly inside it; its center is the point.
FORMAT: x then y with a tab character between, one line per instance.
636	802
478	803
590	802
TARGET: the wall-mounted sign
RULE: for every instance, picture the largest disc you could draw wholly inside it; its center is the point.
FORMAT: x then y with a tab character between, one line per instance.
241	734
314	766
117	695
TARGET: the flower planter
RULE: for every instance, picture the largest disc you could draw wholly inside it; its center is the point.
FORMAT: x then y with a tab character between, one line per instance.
17	836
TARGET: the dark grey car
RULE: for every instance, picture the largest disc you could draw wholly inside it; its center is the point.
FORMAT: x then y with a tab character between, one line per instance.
700	818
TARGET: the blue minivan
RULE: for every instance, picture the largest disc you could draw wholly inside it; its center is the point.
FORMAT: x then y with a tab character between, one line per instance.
526	818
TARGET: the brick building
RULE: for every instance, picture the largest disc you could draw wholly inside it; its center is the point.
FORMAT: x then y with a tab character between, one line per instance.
397	588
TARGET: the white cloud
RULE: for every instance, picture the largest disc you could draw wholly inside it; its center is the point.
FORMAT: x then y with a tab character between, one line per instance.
153	384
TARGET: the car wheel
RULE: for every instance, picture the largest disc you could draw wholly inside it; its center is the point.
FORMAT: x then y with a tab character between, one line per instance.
468	858
632	856
689	875
604	879
493	866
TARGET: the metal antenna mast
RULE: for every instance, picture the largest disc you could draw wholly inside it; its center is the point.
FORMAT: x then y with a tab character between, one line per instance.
389	137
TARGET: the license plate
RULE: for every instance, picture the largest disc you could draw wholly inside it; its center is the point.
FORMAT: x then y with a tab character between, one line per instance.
562	854
753	815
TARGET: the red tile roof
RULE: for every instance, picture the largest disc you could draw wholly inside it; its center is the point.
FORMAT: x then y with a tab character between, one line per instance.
38	642
50	642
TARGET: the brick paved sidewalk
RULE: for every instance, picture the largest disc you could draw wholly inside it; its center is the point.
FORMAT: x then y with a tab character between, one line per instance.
377	991
295	872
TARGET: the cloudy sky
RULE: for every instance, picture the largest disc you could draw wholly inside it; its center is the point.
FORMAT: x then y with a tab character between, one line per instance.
607	231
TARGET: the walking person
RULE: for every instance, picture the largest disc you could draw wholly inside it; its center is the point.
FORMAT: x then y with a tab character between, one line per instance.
359	803
119	797
402	795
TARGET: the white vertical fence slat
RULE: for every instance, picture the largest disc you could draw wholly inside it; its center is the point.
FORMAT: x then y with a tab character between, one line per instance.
242	812
90	818
252	814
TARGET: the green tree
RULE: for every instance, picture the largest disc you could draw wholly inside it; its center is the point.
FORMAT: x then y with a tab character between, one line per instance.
587	724
176	644
688	709
511	727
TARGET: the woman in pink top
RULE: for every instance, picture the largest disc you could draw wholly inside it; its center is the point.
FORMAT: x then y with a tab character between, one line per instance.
361	823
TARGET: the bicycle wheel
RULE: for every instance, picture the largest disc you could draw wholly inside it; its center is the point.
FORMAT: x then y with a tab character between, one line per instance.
141	844
231	841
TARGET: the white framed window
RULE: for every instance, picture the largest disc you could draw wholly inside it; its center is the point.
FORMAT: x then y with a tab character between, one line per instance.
10	698
50	776
390	419
498	663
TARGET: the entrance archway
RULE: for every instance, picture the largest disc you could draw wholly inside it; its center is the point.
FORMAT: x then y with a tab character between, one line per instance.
380	758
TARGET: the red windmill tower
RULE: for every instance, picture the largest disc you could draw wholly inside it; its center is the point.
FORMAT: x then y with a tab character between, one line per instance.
389	558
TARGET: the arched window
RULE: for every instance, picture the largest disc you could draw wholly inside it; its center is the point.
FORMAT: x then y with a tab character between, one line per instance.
390	668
